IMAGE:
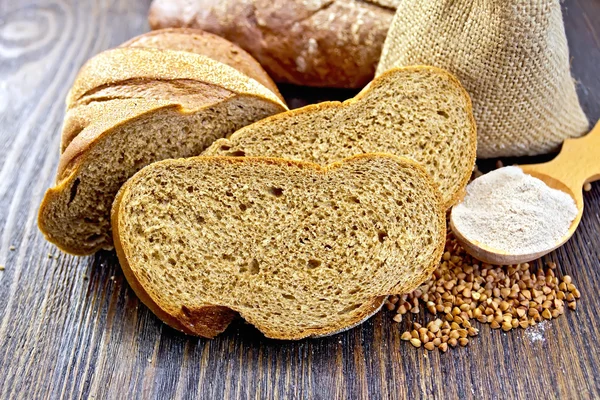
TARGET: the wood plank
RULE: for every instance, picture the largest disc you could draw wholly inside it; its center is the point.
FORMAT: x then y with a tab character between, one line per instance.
68	329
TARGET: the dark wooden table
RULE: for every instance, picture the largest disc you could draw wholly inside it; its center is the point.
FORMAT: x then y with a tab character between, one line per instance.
71	327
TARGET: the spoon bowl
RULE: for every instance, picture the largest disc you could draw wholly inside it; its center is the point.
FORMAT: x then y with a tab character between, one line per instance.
577	163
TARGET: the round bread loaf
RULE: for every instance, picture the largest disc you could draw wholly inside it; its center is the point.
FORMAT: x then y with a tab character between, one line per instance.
323	43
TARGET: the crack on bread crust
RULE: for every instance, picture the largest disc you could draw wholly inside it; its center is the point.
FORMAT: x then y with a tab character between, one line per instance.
187	92
207	44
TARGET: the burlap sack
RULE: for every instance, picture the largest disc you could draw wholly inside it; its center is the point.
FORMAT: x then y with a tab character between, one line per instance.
511	56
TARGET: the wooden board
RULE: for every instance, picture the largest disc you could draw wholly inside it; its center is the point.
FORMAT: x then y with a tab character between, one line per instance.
71	327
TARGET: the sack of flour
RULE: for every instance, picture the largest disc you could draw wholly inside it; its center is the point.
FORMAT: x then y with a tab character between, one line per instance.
511	56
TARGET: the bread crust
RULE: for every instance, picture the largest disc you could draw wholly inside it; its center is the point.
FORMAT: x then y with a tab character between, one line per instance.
324	43
123	64
206	44
219	323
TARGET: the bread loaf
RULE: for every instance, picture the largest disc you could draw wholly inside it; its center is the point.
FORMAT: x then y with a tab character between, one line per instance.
418	112
325	43
130	107
296	249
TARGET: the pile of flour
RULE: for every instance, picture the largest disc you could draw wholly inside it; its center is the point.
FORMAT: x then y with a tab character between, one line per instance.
513	212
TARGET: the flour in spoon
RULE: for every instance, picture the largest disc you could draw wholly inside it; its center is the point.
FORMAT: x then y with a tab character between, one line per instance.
513	212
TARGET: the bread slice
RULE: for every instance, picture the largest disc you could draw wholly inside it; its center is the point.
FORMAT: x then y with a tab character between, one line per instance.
419	112
297	249
136	106
206	44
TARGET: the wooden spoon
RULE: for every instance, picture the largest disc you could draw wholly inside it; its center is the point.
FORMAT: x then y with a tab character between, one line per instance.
577	163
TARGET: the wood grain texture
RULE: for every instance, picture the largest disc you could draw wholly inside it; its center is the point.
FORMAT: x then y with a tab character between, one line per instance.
71	327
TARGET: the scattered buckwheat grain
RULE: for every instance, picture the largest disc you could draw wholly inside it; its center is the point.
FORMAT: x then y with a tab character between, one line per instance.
463	289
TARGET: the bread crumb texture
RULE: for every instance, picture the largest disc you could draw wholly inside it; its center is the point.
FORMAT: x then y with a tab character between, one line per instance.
298	250
418	112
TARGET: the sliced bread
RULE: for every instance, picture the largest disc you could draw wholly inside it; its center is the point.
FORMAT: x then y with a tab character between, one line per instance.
296	249
135	106
81	113
419	112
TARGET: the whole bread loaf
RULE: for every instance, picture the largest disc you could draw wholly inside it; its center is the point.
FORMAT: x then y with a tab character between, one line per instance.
325	43
130	107
418	112
296	249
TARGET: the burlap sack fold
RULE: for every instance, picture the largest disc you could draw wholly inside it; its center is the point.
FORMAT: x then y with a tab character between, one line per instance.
511	56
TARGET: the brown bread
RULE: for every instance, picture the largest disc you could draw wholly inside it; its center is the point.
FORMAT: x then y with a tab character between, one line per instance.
297	249
325	43
130	107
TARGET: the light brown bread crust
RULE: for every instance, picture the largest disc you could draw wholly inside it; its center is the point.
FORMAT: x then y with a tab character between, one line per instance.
210	319
105	109
187	92
206	44
318	118
128	88
323	43
121	65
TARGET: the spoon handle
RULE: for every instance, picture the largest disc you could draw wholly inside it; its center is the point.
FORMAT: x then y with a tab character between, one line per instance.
577	163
